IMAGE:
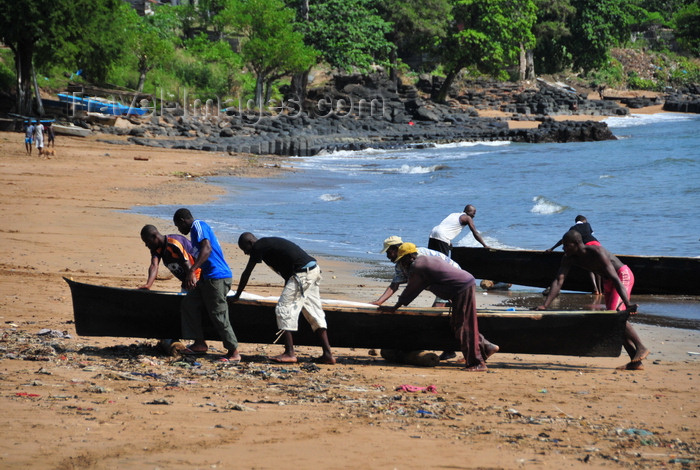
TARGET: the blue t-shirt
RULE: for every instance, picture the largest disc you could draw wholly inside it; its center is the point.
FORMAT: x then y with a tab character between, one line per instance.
215	267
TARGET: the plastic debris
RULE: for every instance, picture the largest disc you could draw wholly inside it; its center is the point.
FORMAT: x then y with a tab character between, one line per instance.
414	388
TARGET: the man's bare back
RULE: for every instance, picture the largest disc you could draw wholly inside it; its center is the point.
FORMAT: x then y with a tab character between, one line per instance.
593	258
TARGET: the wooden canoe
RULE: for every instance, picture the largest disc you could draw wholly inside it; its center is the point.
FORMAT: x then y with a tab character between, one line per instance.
71	130
110	311
653	274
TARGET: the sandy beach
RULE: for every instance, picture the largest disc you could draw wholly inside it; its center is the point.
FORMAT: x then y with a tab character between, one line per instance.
102	403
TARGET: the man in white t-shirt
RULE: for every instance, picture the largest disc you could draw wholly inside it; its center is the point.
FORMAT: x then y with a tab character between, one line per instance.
39	135
442	234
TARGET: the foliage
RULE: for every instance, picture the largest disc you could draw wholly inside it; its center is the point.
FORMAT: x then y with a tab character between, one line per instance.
218	67
611	73
687	23
551	27
654	12
348	33
271	47
676	70
597	26
488	35
8	75
635	82
416	24
150	43
75	33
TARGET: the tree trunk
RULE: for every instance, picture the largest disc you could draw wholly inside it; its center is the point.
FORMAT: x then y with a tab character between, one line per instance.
304	10
522	62
393	75
445	88
268	91
530	68
23	65
39	103
259	85
301	80
299	84
142	80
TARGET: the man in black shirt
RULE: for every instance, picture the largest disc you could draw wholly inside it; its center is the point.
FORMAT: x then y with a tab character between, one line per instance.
302	277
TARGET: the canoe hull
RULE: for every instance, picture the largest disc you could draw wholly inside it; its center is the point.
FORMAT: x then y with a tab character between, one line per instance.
653	274
108	311
71	130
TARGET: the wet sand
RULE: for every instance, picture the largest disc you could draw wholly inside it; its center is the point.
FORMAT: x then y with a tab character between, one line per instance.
102	403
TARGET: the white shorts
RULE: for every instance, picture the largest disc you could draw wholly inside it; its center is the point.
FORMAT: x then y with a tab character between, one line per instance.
301	293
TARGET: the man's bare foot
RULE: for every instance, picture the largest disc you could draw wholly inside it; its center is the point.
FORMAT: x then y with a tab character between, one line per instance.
324	360
640	355
489	350
480	367
198	347
233	356
284	359
632	366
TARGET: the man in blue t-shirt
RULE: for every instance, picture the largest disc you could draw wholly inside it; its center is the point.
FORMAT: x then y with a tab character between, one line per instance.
209	293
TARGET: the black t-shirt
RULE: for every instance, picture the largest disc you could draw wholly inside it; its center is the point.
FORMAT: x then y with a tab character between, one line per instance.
283	256
586	232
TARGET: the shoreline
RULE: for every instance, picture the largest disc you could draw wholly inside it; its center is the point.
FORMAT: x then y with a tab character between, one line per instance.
98	403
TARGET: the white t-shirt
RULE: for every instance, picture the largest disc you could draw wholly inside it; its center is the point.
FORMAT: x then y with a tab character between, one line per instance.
449	228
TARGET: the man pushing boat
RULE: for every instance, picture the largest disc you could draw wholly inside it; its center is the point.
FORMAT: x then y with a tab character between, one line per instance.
434	274
302	277
208	293
617	287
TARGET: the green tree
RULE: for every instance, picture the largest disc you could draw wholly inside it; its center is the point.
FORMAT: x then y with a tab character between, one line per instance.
417	25
271	47
488	35
69	32
687	27
347	33
216	66
597	26
550	53
150	45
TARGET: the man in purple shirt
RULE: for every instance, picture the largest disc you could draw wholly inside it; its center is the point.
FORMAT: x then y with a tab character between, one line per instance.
447	282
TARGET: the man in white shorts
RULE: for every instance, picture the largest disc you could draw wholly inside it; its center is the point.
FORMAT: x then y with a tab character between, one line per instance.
302	277
39	135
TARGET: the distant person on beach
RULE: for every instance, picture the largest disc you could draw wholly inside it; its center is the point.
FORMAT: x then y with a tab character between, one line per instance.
208	293
442	234
51	136
174	250
618	281
444	280
301	293
29	137
391	248
584	228
39	135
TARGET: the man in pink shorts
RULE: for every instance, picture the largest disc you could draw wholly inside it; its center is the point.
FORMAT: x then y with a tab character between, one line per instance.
617	281
584	228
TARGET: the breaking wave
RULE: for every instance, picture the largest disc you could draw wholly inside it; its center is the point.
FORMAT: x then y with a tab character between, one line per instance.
545	207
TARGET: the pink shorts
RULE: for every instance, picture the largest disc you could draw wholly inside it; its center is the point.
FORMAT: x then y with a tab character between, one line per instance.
594	243
612	298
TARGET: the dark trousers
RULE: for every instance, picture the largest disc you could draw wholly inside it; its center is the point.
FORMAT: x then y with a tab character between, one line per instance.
465	326
209	295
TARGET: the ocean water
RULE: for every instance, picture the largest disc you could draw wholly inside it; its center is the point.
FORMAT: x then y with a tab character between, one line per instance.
640	193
